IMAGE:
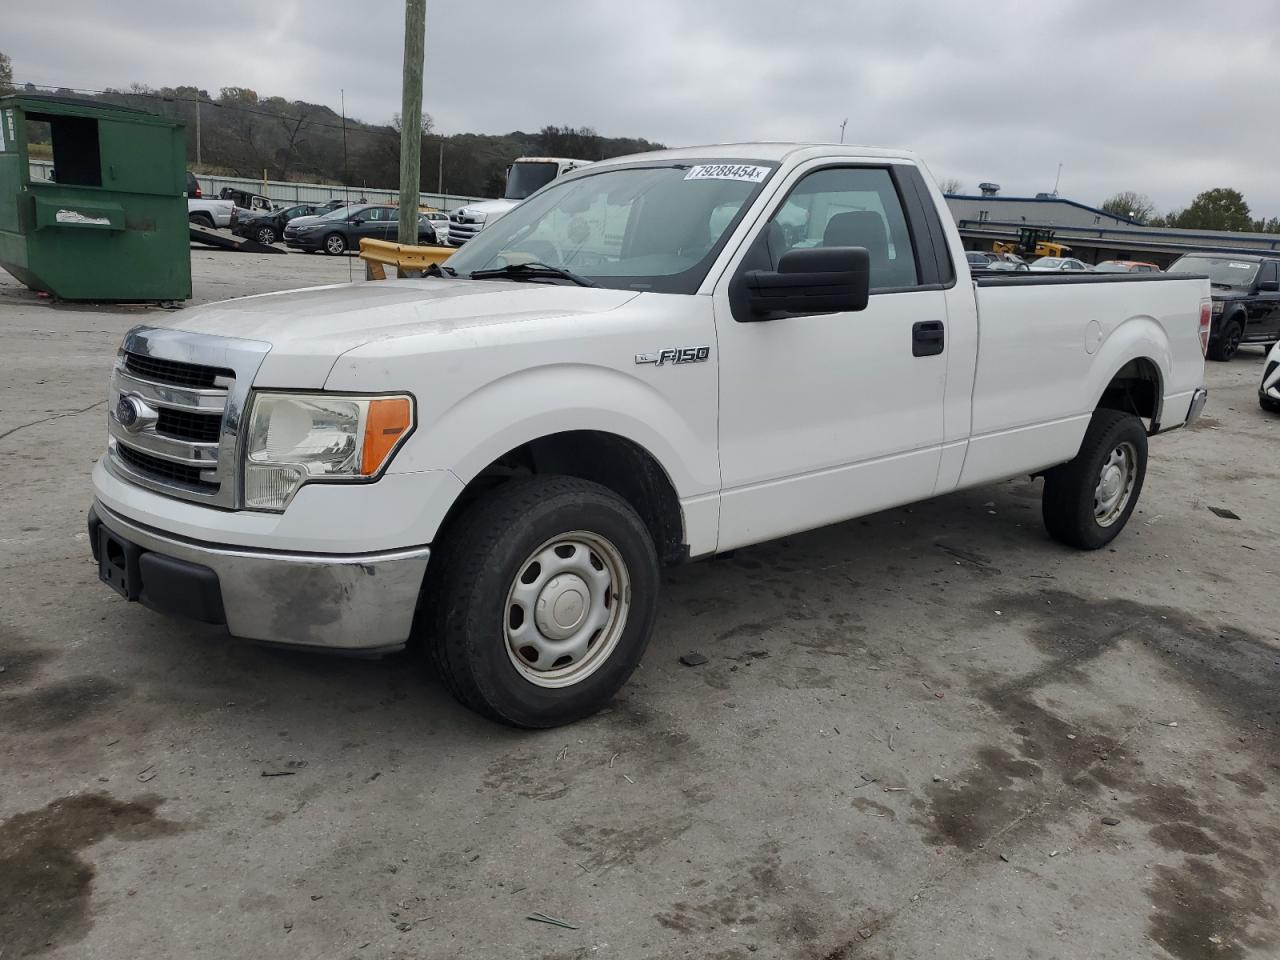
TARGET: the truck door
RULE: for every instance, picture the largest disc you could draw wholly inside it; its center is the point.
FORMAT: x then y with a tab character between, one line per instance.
829	416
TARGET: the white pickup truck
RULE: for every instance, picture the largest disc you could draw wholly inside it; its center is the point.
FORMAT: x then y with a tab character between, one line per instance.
654	359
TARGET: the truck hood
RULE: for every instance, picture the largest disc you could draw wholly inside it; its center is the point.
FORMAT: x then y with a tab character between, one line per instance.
309	329
488	209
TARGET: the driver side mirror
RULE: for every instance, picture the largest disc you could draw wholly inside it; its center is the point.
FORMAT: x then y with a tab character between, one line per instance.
1269	286
810	281
356	221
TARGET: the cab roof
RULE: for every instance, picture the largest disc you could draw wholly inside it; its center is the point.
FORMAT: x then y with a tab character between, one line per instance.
773	151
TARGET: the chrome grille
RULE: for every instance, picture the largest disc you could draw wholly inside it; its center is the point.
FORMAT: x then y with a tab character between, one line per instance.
461	231
173	372
182	395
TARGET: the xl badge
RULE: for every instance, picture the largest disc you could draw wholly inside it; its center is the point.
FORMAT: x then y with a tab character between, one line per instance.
675	355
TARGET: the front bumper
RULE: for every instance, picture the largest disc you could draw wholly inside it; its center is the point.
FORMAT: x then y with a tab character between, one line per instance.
362	602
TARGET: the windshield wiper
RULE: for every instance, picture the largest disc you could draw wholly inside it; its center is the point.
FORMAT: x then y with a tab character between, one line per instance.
440	270
532	271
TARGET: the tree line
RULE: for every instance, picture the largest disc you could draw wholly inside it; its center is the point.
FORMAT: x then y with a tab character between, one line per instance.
1221	208
245	134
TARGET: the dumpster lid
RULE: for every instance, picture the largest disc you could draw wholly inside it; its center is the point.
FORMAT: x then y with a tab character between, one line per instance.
76	106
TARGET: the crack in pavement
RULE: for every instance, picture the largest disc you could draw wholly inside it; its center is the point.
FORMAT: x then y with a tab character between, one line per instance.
50	419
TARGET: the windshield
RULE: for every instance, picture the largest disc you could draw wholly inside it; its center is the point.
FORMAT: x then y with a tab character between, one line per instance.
1221	270
630	228
524	178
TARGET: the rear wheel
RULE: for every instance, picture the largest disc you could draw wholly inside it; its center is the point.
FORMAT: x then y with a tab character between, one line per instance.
1088	500
1228	342
543	602
266	235
335	244
201	220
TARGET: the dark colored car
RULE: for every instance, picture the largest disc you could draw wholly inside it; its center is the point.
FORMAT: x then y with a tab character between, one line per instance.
269	227
342	229
1246	298
193	187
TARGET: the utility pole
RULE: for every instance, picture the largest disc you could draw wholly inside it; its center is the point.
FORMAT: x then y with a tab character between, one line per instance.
1057	180
199	161
415	30
842	123
440	170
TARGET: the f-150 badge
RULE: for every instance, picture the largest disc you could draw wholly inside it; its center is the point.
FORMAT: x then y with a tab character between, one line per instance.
675	355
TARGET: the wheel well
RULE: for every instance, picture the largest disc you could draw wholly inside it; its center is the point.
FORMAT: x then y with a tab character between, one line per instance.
1136	389
614	462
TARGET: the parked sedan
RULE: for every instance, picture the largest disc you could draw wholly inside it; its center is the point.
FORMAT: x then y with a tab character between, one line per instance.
440	225
342	229
1058	265
1126	266
978	260
269	227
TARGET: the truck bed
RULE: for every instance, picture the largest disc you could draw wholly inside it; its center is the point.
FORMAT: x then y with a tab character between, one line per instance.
1044	359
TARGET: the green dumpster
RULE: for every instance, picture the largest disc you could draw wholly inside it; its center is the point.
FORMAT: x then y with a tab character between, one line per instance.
112	223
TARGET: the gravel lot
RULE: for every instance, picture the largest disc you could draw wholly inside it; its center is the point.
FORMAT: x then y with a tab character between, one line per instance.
928	733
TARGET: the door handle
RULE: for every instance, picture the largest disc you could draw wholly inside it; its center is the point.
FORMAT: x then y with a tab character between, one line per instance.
927	338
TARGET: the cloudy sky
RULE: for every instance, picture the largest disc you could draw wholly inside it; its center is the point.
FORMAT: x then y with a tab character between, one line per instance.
1167	97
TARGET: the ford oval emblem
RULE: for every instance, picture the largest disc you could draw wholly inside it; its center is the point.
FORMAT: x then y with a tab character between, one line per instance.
128	413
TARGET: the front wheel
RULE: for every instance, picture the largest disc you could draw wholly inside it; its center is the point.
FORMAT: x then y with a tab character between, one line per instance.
1228	342
266	235
543	598
335	244
1088	500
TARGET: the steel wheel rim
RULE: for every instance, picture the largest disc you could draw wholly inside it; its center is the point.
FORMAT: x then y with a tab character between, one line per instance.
566	609
335	244
1115	484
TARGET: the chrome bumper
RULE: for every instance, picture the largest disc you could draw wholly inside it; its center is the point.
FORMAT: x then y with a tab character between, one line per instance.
1198	400
360	602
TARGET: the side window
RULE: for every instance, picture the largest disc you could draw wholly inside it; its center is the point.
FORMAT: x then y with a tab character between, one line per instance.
848	207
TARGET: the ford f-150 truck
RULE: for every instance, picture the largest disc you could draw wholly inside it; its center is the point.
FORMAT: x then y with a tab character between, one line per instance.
654	359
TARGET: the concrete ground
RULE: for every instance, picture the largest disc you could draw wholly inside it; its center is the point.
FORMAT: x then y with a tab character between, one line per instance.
929	733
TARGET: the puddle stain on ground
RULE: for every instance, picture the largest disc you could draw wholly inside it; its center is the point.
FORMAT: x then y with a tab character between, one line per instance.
1236	672
45	885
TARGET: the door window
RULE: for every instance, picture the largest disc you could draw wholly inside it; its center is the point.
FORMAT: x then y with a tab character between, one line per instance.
847	207
1268	272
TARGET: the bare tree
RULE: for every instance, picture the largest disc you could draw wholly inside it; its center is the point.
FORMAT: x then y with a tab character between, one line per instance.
1131	204
950	185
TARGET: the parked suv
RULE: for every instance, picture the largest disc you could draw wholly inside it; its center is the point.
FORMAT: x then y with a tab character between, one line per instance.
1246	298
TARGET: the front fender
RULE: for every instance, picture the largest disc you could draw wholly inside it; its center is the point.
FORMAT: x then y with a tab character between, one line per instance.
526	404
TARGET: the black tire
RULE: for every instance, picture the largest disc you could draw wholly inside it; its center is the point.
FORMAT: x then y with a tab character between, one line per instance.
1070	504
470	587
1266	403
1228	342
265	235
335	244
201	220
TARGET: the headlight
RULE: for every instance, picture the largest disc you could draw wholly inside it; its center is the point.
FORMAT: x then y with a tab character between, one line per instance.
1217	308
294	438
302	229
